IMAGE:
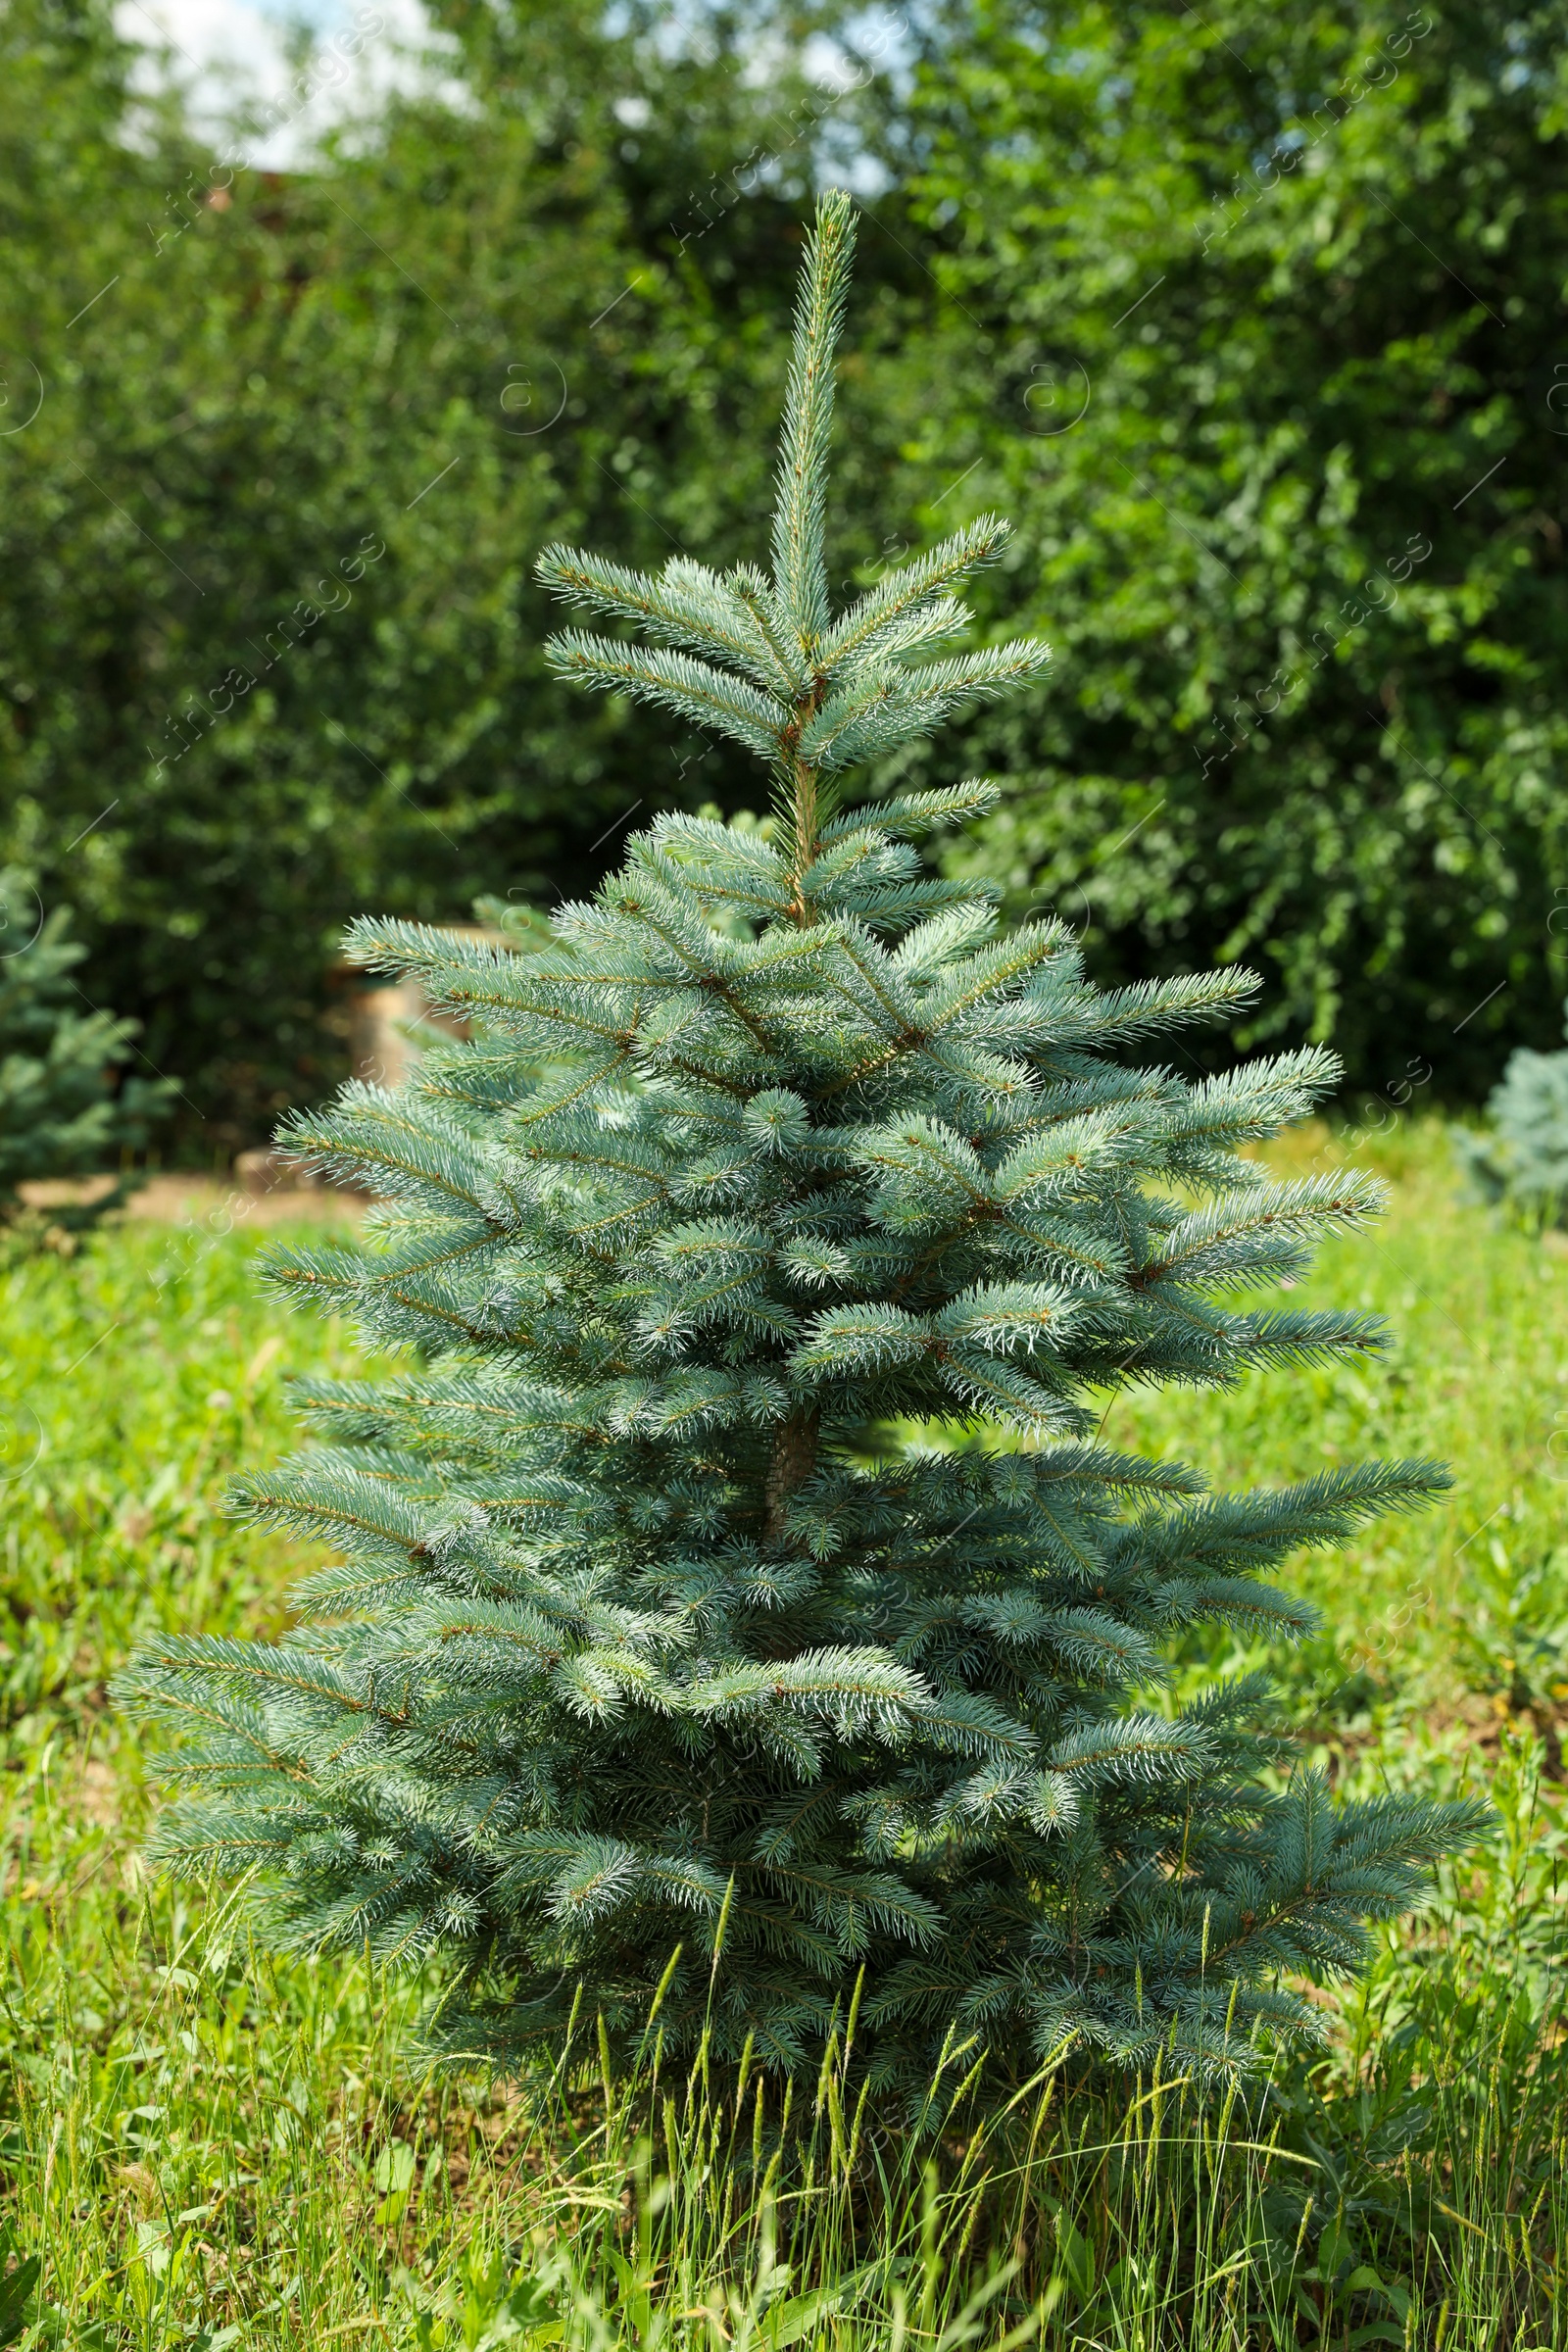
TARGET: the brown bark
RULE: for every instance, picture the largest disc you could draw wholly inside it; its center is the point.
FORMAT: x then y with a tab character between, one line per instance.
805	827
793	1460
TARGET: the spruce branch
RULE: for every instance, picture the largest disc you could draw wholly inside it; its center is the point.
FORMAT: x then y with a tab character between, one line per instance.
800	565
694	690
924	580
687	606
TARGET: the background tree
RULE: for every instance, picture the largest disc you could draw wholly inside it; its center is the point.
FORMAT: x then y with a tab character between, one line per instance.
653	1646
1298	276
268	629
66	1105
1307	269
1521	1158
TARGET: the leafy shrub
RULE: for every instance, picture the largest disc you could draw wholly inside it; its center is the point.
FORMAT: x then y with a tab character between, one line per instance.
302	687
1289	494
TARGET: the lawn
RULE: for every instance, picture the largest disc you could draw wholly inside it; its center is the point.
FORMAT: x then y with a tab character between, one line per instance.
209	2147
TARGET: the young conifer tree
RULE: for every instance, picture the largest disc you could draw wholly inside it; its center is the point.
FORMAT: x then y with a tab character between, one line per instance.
60	1114
668	1614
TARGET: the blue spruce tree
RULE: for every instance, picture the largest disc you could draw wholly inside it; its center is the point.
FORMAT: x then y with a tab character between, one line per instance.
666	1610
59	1055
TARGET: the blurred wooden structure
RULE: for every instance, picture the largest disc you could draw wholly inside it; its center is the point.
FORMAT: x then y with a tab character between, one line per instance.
381	1051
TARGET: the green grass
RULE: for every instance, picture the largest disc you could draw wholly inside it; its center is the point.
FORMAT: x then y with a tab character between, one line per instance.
208	2147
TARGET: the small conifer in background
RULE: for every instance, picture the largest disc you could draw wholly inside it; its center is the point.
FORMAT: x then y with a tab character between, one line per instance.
1520	1163
668	1615
60	1114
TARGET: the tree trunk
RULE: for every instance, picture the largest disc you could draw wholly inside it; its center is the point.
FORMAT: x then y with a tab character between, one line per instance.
793	1460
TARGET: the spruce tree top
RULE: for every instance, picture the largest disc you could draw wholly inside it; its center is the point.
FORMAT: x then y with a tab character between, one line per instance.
668	1614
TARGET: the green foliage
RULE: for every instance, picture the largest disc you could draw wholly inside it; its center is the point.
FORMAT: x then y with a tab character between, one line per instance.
270	645
655	1670
1523	1158
59	1113
18	2279
1298	557
1254	328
